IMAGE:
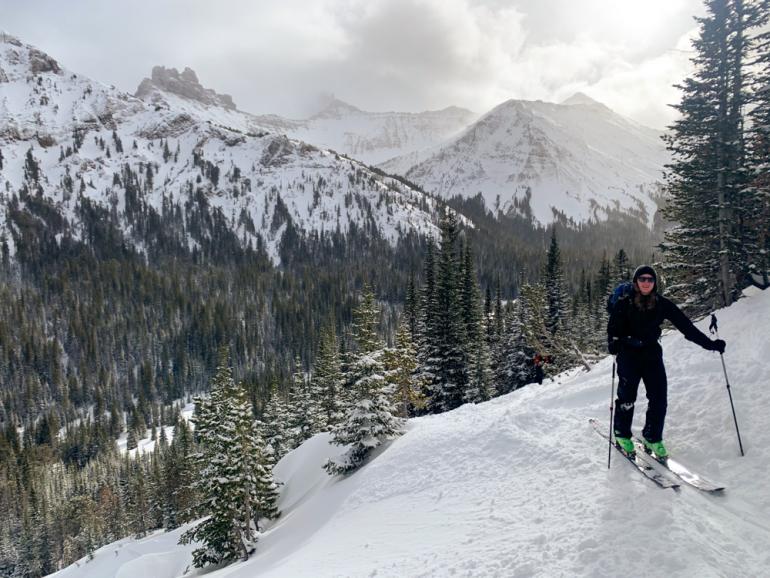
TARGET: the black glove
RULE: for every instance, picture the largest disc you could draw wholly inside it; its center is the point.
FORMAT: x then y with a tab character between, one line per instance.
614	346
718	345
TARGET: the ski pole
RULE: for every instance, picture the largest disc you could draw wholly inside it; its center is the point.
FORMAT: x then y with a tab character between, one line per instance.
713	328
612	415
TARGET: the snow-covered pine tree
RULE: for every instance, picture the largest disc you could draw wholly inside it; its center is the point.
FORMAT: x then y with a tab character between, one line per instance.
366	320
499	313
515	367
705	264
229	473
215	533
602	289
480	387
561	342
267	488
136	497
556	292
300	427
400	372
582	321
370	420
274	424
184	447
178	476
326	383
488	318
131	442
411	308
156	483
621	267
445	340
495	336
479	364
426	325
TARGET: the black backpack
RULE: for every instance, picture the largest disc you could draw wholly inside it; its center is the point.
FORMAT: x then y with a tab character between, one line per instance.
622	292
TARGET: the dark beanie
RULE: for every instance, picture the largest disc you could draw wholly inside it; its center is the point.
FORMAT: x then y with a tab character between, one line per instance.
645	270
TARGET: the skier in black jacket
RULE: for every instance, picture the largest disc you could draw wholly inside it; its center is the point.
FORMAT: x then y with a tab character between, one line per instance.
632	334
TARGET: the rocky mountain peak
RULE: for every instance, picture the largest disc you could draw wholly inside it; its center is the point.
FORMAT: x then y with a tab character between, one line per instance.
184	84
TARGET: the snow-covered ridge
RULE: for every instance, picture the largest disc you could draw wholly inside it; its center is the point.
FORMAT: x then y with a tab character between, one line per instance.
519	486
375	137
81	135
578	158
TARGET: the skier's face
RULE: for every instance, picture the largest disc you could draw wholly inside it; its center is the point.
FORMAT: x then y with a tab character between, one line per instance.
645	283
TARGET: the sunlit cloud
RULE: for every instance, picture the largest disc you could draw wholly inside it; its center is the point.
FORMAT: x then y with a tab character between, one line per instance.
278	56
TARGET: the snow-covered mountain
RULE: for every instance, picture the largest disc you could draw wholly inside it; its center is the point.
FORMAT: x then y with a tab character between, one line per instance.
65	138
519	486
371	137
578	158
375	137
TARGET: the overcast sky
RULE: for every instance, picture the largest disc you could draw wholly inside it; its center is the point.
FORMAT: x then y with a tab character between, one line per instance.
283	56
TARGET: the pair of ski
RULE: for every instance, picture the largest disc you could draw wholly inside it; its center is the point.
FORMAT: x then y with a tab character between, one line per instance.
645	463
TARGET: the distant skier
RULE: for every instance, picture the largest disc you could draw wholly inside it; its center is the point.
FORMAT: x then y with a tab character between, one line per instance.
636	312
537	362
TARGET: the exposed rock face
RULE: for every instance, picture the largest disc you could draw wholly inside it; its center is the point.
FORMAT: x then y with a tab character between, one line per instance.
41	62
183	84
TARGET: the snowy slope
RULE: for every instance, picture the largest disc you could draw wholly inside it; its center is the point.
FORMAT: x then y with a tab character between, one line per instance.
375	137
255	177
519	486
577	157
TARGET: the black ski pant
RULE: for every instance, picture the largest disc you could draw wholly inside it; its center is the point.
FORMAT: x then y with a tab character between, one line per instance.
646	365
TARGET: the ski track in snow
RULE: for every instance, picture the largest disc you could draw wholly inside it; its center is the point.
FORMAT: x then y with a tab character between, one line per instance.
519	487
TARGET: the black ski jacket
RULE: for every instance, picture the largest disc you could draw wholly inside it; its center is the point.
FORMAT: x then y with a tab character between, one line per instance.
630	328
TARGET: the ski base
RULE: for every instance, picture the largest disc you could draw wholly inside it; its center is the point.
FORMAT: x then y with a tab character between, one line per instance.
647	470
679	470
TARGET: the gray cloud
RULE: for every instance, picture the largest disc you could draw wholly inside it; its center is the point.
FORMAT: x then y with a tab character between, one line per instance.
280	55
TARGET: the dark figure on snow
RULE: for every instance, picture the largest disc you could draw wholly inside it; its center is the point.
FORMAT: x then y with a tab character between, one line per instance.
632	334
539	373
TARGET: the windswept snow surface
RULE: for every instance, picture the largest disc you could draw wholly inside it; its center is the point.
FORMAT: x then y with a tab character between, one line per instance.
519	486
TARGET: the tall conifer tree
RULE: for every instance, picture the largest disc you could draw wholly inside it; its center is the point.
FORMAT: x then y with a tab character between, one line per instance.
757	240
230	473
445	343
705	256
371	419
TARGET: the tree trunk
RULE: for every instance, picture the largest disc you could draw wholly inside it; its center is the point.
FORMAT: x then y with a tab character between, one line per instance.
721	161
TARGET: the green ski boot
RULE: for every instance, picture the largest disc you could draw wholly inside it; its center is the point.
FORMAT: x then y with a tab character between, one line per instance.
625	444
656	448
